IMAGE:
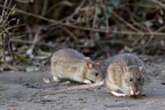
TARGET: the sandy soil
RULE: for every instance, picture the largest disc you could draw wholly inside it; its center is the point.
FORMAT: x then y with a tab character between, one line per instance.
20	91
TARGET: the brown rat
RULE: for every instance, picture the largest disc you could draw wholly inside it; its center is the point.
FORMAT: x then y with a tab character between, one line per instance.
70	64
125	75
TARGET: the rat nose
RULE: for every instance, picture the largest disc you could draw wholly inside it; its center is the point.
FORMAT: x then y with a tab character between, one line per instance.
137	92
134	92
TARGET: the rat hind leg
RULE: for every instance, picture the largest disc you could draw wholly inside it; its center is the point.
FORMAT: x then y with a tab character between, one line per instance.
56	79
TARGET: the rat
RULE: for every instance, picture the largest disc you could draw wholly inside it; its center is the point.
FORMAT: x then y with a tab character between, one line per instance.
70	64
125	75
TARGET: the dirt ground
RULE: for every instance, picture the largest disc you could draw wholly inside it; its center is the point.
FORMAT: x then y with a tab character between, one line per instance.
20	91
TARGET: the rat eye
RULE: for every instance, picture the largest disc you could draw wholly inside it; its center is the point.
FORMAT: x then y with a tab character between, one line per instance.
96	74
131	79
139	79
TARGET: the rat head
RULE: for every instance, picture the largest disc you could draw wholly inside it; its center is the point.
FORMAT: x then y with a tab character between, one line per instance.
93	71
134	80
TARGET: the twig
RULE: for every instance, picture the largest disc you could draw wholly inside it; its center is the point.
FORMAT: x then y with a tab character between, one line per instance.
44	9
134	22
5	34
30	42
35	41
3	11
147	41
55	22
139	33
161	29
7	29
71	34
149	6
125	22
8	66
83	28
94	23
76	10
159	3
59	4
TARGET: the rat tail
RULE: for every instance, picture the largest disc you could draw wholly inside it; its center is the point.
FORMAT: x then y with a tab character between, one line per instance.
79	87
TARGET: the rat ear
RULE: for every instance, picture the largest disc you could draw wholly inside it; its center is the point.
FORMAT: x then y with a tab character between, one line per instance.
141	68
87	58
97	63
89	65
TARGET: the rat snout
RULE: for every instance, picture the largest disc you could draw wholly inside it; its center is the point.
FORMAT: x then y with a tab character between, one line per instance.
135	89
135	92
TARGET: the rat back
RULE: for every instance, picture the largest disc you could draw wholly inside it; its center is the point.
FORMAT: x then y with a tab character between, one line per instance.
121	68
67	54
128	59
67	63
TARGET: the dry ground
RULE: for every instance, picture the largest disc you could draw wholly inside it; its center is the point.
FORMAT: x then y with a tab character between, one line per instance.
17	91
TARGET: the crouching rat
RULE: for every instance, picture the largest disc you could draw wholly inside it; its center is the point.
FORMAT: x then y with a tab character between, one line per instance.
125	75
72	65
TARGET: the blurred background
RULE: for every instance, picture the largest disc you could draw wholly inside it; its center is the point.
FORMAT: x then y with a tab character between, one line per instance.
31	30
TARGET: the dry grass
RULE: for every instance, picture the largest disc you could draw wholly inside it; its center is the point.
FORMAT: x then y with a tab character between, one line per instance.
96	28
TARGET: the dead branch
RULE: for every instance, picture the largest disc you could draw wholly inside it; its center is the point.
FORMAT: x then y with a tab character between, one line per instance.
54	22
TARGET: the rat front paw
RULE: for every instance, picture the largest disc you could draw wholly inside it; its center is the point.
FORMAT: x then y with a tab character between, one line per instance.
87	81
118	94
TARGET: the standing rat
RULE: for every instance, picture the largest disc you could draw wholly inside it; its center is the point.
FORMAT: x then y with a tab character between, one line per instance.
125	75
70	64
